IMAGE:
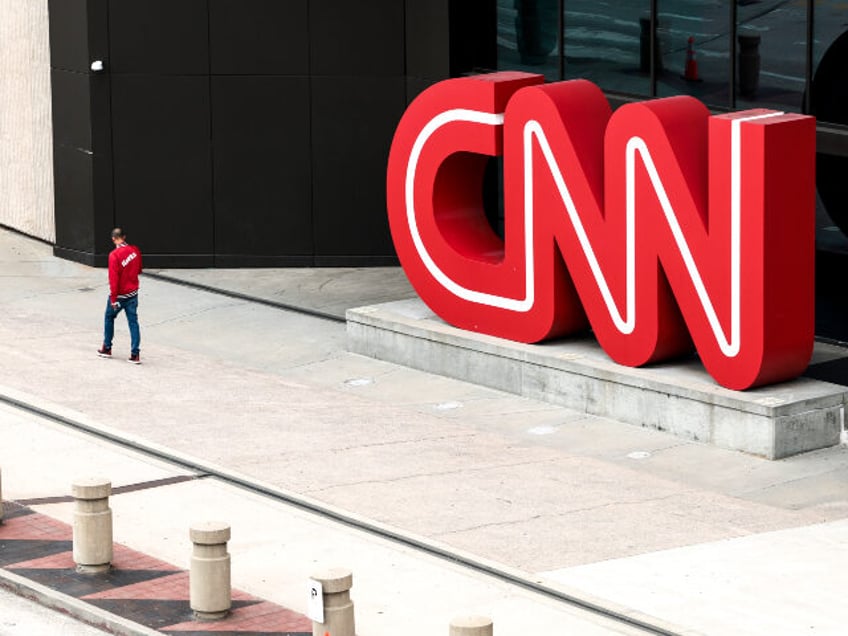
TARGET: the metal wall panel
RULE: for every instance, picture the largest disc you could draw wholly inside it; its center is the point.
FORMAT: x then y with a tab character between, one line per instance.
356	38
427	39
72	112
262	170
74	192
69	35
244	132
259	37
163	165
353	120
82	142
164	37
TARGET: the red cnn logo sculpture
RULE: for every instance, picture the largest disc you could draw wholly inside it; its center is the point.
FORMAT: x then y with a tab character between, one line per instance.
659	226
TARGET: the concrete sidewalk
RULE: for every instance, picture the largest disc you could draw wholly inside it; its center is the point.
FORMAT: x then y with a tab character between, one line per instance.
631	515
275	549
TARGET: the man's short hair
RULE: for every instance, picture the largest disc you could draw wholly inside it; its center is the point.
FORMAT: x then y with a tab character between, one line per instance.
117	233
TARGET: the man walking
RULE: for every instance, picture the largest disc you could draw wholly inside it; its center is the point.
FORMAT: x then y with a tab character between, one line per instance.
124	268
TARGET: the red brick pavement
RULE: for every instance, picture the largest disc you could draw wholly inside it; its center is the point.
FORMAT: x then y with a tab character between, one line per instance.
35	527
167	588
63	560
255	618
36	546
126	559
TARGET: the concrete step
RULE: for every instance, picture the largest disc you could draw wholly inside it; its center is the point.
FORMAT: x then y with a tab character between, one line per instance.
679	398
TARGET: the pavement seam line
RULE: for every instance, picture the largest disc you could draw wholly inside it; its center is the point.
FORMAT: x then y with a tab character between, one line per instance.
119	490
496	524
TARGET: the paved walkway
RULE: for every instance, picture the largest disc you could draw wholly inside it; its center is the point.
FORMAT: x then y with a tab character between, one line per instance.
21	615
275	548
139	588
614	511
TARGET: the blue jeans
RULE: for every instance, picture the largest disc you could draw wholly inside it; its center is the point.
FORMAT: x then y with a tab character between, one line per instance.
130	306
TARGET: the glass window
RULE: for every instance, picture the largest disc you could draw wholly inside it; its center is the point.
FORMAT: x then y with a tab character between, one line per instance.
829	92
771	54
694	44
527	36
604	43
829	103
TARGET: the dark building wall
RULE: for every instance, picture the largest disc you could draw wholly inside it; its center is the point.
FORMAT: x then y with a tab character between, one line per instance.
161	120
358	96
261	127
240	132
82	162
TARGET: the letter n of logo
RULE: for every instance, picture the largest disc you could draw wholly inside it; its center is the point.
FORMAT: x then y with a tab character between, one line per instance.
659	226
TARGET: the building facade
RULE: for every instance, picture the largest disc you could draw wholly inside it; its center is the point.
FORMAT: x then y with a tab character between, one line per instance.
731	55
238	133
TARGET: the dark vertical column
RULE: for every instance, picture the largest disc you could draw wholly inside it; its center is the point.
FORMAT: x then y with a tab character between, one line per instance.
448	38
260	125
161	124
473	37
358	95
452	38
809	54
428	44
655	49
82	160
733	62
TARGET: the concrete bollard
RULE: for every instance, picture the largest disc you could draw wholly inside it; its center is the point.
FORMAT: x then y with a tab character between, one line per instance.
338	608
471	626
210	590
92	524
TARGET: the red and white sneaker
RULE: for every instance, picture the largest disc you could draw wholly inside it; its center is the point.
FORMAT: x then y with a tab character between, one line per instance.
134	359
105	352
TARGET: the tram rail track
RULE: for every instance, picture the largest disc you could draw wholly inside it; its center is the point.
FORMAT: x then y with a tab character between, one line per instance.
323	511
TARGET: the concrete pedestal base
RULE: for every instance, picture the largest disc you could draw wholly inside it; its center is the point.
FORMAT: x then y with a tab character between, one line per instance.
680	398
93	569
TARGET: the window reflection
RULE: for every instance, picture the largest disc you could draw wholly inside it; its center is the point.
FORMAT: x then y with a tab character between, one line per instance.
829	92
743	54
772	44
706	75
829	103
608	42
603	43
527	36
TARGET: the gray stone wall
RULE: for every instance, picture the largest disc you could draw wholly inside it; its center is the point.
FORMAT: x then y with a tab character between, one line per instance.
26	146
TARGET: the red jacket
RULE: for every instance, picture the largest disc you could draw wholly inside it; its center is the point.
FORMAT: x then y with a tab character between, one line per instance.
124	268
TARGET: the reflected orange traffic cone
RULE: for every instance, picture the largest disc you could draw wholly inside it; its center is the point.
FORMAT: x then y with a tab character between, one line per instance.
690	72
